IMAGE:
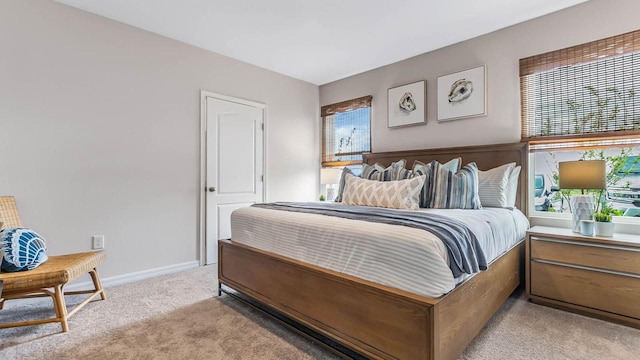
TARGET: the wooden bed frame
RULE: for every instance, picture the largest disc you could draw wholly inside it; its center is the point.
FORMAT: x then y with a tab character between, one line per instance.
377	321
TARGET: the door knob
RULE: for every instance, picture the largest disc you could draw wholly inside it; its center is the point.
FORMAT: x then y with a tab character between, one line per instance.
212	189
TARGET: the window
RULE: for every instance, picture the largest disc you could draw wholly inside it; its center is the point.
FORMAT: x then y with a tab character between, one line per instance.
346	132
623	178
582	102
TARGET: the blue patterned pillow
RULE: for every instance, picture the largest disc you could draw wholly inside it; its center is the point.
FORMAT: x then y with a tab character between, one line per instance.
453	190
22	249
396	172
371	172
393	172
451	165
420	168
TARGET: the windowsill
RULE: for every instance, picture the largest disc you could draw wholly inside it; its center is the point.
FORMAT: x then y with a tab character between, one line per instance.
623	225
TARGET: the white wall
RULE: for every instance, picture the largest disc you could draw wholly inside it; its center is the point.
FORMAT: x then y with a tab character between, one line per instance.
99	132
500	51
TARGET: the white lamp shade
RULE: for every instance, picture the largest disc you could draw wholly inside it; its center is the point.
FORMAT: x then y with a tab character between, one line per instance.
330	175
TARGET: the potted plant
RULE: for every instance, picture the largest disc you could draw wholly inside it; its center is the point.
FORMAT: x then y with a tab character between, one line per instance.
604	226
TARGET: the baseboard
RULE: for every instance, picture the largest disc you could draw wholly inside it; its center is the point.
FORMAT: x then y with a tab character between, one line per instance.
135	276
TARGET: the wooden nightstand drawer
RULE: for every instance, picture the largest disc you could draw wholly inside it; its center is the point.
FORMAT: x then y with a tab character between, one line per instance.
599	256
618	294
591	275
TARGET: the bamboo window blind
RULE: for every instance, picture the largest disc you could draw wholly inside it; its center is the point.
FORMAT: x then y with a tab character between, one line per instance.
584	92
346	132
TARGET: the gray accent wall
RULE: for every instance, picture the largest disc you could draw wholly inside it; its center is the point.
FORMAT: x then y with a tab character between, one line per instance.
100	131
500	52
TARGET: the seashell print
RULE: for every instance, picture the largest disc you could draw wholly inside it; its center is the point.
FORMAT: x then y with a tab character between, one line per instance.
407	103
460	90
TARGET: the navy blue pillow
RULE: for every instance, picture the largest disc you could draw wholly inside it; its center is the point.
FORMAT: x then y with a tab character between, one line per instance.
22	249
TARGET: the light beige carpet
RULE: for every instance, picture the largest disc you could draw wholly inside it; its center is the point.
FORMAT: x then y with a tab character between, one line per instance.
177	317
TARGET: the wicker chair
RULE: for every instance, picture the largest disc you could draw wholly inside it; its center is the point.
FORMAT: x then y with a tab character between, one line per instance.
49	278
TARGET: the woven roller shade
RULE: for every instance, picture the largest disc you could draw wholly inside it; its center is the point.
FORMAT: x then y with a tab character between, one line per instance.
582	144
584	53
583	92
345	106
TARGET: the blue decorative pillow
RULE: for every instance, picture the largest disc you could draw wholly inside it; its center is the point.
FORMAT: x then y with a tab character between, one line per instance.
420	168
371	172
453	190
21	249
395	171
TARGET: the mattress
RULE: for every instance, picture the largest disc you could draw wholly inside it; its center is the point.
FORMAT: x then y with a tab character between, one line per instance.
401	257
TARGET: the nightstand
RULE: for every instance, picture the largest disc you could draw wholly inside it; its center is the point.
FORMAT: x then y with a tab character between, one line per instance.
590	275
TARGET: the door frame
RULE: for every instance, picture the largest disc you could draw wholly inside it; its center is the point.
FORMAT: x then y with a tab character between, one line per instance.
202	199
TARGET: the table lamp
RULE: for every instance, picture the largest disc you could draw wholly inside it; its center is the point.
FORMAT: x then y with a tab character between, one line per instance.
330	177
582	174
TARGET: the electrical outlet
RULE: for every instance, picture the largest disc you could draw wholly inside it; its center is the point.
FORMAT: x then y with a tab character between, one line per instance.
98	242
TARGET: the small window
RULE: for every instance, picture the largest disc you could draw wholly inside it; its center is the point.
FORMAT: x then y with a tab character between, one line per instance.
622	180
346	132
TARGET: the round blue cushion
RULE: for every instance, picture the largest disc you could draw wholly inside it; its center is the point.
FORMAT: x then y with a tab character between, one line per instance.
22	249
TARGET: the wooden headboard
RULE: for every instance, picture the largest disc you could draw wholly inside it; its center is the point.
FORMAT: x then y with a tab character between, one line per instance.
486	156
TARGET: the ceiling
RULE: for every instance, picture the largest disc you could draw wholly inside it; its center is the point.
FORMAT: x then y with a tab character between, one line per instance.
325	40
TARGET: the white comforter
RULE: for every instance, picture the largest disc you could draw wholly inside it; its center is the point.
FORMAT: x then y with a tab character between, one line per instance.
397	256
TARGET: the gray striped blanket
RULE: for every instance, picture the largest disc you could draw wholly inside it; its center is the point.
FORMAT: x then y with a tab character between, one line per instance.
465	253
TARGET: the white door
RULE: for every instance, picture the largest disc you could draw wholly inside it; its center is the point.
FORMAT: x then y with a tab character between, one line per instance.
234	173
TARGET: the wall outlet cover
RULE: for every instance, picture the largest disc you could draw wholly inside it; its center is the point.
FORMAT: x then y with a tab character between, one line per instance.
98	242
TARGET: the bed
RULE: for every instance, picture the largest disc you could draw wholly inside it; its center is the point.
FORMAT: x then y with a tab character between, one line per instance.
380	321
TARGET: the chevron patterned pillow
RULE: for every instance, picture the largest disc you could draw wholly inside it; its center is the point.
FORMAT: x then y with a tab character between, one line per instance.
401	194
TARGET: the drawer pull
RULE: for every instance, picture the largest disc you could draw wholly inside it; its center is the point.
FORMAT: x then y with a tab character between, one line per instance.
603	246
586	268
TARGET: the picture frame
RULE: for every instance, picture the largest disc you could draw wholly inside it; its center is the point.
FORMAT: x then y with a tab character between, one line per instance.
462	94
407	105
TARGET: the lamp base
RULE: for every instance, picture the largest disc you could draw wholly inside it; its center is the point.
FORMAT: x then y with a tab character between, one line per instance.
582	209
332	192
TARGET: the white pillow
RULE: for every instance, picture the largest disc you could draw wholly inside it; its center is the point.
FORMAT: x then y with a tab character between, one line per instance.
512	189
401	194
493	185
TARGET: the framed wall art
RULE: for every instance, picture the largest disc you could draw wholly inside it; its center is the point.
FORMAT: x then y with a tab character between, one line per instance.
462	94
406	104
